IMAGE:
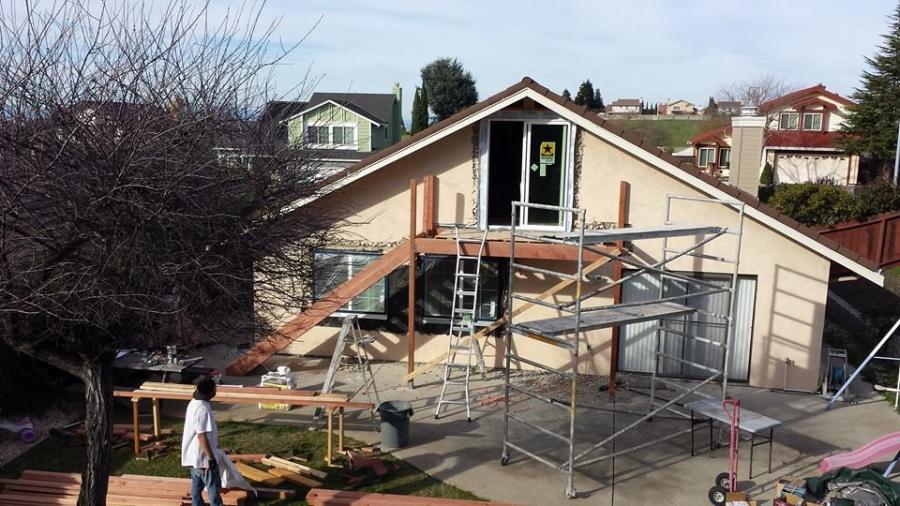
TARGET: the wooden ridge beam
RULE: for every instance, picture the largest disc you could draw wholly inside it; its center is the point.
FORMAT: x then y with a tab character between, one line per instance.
320	310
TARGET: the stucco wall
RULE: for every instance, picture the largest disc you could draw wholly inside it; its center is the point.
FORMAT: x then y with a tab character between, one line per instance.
792	281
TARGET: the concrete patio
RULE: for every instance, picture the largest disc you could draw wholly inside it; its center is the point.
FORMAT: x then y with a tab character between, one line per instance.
467	454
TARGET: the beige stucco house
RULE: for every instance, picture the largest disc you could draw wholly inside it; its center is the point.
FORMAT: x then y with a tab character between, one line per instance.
480	161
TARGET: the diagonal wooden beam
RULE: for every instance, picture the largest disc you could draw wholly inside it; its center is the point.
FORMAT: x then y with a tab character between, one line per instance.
320	310
519	310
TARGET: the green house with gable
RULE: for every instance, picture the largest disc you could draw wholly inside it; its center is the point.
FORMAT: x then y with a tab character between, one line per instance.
344	128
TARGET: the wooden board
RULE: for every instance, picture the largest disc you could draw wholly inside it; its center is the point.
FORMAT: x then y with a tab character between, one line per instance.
246	398
320	310
295	466
296	479
257	475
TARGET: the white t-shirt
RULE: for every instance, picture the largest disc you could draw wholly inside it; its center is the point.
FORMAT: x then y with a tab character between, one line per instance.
198	418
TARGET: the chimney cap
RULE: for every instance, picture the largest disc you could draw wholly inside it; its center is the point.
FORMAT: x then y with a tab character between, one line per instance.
748	110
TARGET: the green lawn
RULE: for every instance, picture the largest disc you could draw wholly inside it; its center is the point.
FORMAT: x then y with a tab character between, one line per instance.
671	133
66	454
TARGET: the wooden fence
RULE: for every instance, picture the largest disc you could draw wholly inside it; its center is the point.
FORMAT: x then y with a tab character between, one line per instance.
876	238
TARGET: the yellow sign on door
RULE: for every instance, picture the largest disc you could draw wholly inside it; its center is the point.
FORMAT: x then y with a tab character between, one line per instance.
548	152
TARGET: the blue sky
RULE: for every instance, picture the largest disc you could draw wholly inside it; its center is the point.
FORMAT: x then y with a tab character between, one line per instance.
652	49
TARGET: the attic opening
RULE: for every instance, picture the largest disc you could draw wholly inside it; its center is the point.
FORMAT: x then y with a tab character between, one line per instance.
526	156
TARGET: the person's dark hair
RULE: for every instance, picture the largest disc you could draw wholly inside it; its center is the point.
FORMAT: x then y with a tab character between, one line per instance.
206	389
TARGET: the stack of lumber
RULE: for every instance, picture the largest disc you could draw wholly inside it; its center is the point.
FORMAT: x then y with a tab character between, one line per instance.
237	392
324	497
49	488
279	470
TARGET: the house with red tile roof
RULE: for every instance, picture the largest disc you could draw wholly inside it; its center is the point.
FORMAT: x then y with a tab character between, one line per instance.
801	139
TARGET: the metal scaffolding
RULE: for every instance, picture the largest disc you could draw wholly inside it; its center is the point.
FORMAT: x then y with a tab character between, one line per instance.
578	317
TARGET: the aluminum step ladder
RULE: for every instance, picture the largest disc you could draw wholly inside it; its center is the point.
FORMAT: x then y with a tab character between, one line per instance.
462	345
351	336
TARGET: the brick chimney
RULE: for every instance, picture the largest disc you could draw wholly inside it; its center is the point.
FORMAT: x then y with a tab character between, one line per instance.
747	140
397	113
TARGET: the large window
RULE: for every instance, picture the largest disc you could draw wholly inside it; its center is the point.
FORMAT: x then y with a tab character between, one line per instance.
724	157
705	156
331	268
812	121
343	135
438	286
789	121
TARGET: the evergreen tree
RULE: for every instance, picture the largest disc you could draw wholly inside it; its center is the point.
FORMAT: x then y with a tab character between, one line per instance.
566	95
419	111
598	101
712	108
874	118
449	87
585	95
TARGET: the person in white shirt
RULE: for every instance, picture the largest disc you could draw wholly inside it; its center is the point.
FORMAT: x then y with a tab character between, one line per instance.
199	443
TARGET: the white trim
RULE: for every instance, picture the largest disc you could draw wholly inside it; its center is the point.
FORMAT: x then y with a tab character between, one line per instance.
330	101
628	147
803	148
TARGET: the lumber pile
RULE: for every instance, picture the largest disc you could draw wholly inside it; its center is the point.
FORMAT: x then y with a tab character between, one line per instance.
278	471
238	393
49	488
324	497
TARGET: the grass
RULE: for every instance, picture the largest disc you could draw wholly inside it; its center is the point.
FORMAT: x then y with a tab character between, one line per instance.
671	133
66	454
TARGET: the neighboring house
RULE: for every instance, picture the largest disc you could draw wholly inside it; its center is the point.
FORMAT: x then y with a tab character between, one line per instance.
343	128
481	159
625	106
801	131
678	107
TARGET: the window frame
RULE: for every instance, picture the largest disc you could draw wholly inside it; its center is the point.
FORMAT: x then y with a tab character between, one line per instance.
331	143
813	114
348	308
700	151
788	114
435	318
727	152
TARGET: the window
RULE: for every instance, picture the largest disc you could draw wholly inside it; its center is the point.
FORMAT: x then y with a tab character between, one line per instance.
705	156
330	269
439	280
342	135
317	134
724	157
812	121
788	121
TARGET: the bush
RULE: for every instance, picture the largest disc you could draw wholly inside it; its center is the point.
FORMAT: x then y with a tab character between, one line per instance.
767	178
814	204
877	197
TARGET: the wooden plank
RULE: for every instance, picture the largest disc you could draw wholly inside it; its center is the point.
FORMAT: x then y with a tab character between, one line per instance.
320	310
296	479
136	424
428	211
294	466
257	475
518	311
152	386
276	493
411	286
500	249
242	398
246	457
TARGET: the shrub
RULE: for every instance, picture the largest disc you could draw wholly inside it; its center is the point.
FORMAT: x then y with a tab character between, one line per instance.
814	204
767	178
877	197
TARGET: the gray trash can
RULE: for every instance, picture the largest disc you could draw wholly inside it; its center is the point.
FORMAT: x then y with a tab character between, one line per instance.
394	423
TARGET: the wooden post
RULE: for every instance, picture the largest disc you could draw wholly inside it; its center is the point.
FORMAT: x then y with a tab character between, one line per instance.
136	424
622	222
411	281
428	216
340	430
156	418
880	242
328	452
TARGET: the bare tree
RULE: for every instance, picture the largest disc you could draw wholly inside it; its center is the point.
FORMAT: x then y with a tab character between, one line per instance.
754	91
138	195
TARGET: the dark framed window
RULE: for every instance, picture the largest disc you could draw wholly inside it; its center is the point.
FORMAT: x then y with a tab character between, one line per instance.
332	268
438	280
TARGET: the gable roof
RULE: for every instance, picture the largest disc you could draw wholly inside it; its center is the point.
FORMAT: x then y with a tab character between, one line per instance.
802	95
717	135
627	102
377	107
584	117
